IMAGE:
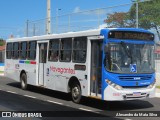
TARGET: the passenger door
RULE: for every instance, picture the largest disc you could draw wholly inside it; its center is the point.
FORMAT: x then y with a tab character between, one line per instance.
42	59
96	68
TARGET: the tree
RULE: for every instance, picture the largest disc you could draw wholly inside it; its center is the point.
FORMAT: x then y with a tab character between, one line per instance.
117	19
149	14
2	42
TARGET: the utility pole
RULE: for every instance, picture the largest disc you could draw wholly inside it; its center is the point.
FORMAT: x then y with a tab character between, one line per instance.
57	15
27	28
136	2
48	21
137	13
34	29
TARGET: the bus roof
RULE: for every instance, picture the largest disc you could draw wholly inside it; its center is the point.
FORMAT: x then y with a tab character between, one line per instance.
56	36
128	29
92	32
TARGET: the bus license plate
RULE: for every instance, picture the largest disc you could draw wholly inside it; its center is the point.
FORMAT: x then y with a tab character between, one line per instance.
136	94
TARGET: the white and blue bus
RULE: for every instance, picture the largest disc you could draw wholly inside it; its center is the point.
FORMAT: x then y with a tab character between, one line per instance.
108	64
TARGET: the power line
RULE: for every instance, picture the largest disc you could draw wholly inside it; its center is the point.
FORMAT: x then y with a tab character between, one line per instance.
8	28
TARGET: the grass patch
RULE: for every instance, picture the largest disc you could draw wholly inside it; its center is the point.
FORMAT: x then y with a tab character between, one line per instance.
1	72
158	87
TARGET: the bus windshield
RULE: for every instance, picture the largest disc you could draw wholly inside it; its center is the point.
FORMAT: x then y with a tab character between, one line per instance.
129	58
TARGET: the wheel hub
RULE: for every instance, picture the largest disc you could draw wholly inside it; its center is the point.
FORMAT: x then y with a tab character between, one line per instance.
23	84
75	92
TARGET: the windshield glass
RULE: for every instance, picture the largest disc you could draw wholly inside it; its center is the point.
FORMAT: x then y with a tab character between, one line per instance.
129	58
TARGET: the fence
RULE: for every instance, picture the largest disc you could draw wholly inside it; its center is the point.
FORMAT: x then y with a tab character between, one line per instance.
157	67
79	21
2	55
76	21
84	20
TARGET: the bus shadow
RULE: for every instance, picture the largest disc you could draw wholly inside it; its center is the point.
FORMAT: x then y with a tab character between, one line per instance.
43	91
14	84
90	102
117	105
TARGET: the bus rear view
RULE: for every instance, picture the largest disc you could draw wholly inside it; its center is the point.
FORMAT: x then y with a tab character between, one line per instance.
128	65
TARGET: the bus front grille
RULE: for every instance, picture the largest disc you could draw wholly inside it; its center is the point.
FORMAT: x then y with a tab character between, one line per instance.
135	87
133	78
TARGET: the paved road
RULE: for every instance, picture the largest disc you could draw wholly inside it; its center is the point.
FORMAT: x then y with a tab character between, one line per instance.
12	98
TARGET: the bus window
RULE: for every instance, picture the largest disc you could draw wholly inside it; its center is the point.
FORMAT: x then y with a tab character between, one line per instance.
42	52
79	49
120	57
66	50
9	51
15	54
53	54
23	50
32	50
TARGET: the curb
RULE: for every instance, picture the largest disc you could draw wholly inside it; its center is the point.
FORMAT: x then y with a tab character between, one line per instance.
157	94
2	74
157	90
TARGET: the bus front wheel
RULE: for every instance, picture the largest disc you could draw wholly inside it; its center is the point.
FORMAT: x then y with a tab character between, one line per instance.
24	81
76	93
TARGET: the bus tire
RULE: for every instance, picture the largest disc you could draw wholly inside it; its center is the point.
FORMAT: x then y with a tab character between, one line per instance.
76	93
23	81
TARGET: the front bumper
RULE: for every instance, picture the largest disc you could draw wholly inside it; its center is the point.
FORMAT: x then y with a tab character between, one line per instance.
112	94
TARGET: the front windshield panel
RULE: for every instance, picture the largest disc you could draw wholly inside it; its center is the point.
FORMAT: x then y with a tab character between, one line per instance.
129	58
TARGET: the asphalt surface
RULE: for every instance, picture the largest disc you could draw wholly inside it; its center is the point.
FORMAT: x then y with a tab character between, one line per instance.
59	105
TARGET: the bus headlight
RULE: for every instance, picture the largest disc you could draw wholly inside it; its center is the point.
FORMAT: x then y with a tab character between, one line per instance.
152	85
118	87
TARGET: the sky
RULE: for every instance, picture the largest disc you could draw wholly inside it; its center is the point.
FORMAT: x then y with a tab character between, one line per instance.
15	13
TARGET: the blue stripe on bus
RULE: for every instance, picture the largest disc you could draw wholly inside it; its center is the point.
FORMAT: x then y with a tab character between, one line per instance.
1	64
21	61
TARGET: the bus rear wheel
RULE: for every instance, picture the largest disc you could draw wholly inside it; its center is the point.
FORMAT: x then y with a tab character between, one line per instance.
76	93
23	81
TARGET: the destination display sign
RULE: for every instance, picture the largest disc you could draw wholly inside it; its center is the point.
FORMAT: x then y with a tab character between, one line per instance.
130	35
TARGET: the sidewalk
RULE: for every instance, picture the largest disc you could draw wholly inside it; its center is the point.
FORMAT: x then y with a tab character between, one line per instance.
158	78
1	74
1	69
157	92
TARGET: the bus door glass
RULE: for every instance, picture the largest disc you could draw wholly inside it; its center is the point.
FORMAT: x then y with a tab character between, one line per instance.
42	62
96	67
